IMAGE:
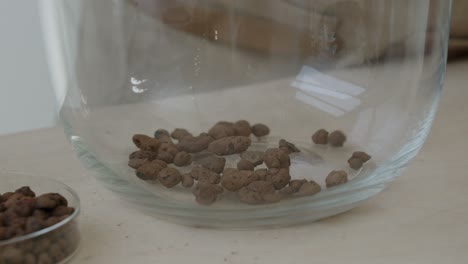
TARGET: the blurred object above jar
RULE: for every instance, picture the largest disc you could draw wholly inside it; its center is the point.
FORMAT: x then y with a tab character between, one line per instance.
458	45
331	28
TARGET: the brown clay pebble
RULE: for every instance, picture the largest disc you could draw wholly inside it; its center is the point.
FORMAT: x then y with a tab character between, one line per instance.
205	175
256	157
165	156
288	190
272	197
27	246
7	195
33	224
50	201
233	180
355	163
279	177
7	218
229	145
276	158
64	244
169	148
309	188
216	187
161	132
55	253
242	128
145	176
62	210
52	221
42	245
187	180
16	220
245	165
362	156
144	142
261	187
249	197
258	192
149	171
40	214
207	194
261	174
336	177
160	163
225	123
260	130
13	200
288	147
182	159
213	163
320	137
2	233
180	133
163	136
165	139
23	207
296	184
44	258
167	152
194	144
137	163
29	259
15	230
11	255
222	130
169	177
26	191
141	154
336	138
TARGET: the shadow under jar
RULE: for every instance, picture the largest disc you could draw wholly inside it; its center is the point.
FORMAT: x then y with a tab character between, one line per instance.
371	69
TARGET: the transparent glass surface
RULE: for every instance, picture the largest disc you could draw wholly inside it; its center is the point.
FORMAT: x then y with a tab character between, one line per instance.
372	69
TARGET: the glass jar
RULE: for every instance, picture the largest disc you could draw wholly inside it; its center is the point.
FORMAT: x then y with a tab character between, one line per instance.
372	70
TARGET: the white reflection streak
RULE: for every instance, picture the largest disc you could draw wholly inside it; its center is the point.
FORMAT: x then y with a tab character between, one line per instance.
312	88
325	92
340	100
312	76
319	104
135	82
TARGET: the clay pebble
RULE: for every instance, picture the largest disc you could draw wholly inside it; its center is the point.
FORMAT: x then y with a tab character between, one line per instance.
320	137
229	145
260	130
233	180
276	158
335	178
287	147
336	138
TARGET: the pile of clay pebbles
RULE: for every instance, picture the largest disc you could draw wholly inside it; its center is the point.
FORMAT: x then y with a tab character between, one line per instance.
159	156
23	213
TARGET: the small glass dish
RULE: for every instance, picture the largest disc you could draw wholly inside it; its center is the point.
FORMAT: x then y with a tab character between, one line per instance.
55	244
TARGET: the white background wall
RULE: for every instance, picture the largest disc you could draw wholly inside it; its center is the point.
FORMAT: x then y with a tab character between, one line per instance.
27	99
